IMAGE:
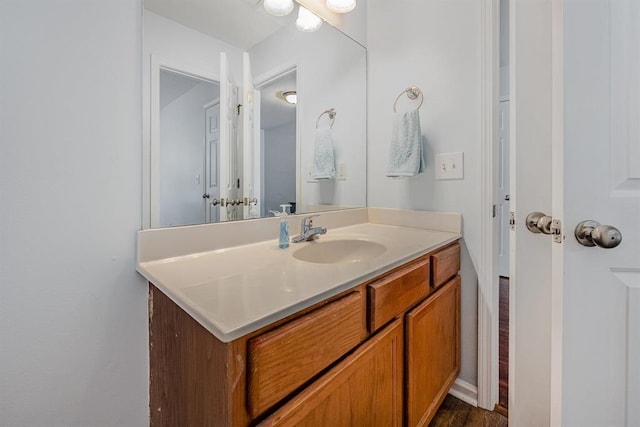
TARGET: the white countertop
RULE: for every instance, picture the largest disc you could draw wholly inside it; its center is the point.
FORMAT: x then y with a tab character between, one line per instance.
237	290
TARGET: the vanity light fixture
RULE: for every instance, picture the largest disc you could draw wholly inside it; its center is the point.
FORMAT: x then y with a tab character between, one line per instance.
307	21
278	7
341	6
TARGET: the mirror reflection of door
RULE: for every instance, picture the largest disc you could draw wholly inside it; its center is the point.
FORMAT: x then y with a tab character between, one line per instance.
211	161
277	142
183	125
230	171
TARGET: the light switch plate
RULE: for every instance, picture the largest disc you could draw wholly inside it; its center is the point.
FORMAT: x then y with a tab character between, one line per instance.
341	173
449	166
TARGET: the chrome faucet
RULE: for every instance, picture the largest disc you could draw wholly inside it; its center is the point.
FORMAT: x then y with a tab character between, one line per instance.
307	231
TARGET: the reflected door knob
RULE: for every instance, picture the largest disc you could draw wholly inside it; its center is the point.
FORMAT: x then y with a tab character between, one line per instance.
537	222
591	233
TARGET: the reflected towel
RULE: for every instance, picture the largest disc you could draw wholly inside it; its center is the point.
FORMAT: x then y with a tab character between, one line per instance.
324	166
405	153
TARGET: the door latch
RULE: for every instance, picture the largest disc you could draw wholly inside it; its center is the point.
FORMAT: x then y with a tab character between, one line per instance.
556	231
512	221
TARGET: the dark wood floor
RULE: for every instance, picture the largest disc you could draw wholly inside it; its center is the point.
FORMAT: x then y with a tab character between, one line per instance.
503	345
456	413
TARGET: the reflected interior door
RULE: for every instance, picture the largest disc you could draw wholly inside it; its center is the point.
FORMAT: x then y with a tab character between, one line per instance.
230	149
248	135
212	162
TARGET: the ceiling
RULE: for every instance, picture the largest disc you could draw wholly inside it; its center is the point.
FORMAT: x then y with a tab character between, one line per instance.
220	18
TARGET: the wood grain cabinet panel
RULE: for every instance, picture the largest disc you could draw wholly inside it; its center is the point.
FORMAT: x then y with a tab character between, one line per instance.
318	367
445	264
432	352
285	358
396	292
363	390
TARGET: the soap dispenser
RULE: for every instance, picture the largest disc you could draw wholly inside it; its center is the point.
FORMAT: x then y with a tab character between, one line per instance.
283	240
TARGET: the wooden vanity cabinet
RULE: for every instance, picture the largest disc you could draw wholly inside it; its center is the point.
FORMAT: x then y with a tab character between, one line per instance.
383	353
432	352
281	360
363	390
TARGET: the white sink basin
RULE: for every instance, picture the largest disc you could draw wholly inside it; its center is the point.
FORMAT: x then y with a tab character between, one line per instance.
339	251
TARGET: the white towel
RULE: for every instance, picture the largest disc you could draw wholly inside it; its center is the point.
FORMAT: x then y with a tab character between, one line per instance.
324	166
405	153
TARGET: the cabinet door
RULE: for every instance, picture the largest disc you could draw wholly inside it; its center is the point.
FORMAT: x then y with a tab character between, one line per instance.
433	352
365	389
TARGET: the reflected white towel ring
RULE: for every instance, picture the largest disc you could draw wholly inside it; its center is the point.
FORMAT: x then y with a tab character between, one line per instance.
332	116
413	92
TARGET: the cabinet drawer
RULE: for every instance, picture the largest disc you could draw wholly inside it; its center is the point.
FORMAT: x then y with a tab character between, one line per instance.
396	292
365	389
283	359
446	264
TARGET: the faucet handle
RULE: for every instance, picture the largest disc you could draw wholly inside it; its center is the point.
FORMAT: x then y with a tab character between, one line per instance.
307	221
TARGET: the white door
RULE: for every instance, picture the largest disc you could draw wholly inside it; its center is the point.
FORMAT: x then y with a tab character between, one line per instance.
575	310
531	189
230	186
212	162
600	324
248	137
503	205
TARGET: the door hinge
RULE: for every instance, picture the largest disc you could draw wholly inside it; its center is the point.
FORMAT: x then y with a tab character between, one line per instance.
512	221
239	107
495	210
556	231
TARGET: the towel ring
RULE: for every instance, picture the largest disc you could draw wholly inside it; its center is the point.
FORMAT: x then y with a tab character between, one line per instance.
412	92
332	116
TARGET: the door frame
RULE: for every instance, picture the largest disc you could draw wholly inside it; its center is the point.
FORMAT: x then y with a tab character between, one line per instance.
488	284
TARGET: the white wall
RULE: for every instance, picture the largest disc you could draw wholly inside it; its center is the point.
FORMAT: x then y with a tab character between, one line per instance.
279	166
182	130
435	45
73	310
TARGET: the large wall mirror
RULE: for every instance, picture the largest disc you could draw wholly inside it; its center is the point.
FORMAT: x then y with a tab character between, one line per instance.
236	105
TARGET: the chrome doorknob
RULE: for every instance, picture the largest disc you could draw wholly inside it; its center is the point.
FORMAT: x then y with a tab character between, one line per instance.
537	222
591	233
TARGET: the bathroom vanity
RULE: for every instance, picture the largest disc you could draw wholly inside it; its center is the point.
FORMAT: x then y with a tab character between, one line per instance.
367	341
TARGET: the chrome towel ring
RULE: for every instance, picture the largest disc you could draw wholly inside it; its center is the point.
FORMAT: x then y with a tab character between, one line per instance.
413	92
332	116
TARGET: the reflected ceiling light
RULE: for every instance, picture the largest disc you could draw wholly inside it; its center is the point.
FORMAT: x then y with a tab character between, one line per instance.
341	6
289	96
307	21
278	7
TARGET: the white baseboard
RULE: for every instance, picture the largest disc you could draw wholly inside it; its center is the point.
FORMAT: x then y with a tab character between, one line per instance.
464	391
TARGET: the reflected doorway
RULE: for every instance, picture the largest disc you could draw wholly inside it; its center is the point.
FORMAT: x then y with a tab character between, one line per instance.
278	146
189	129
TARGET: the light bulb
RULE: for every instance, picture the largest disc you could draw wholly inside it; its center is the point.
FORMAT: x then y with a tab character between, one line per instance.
278	7
341	6
307	21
